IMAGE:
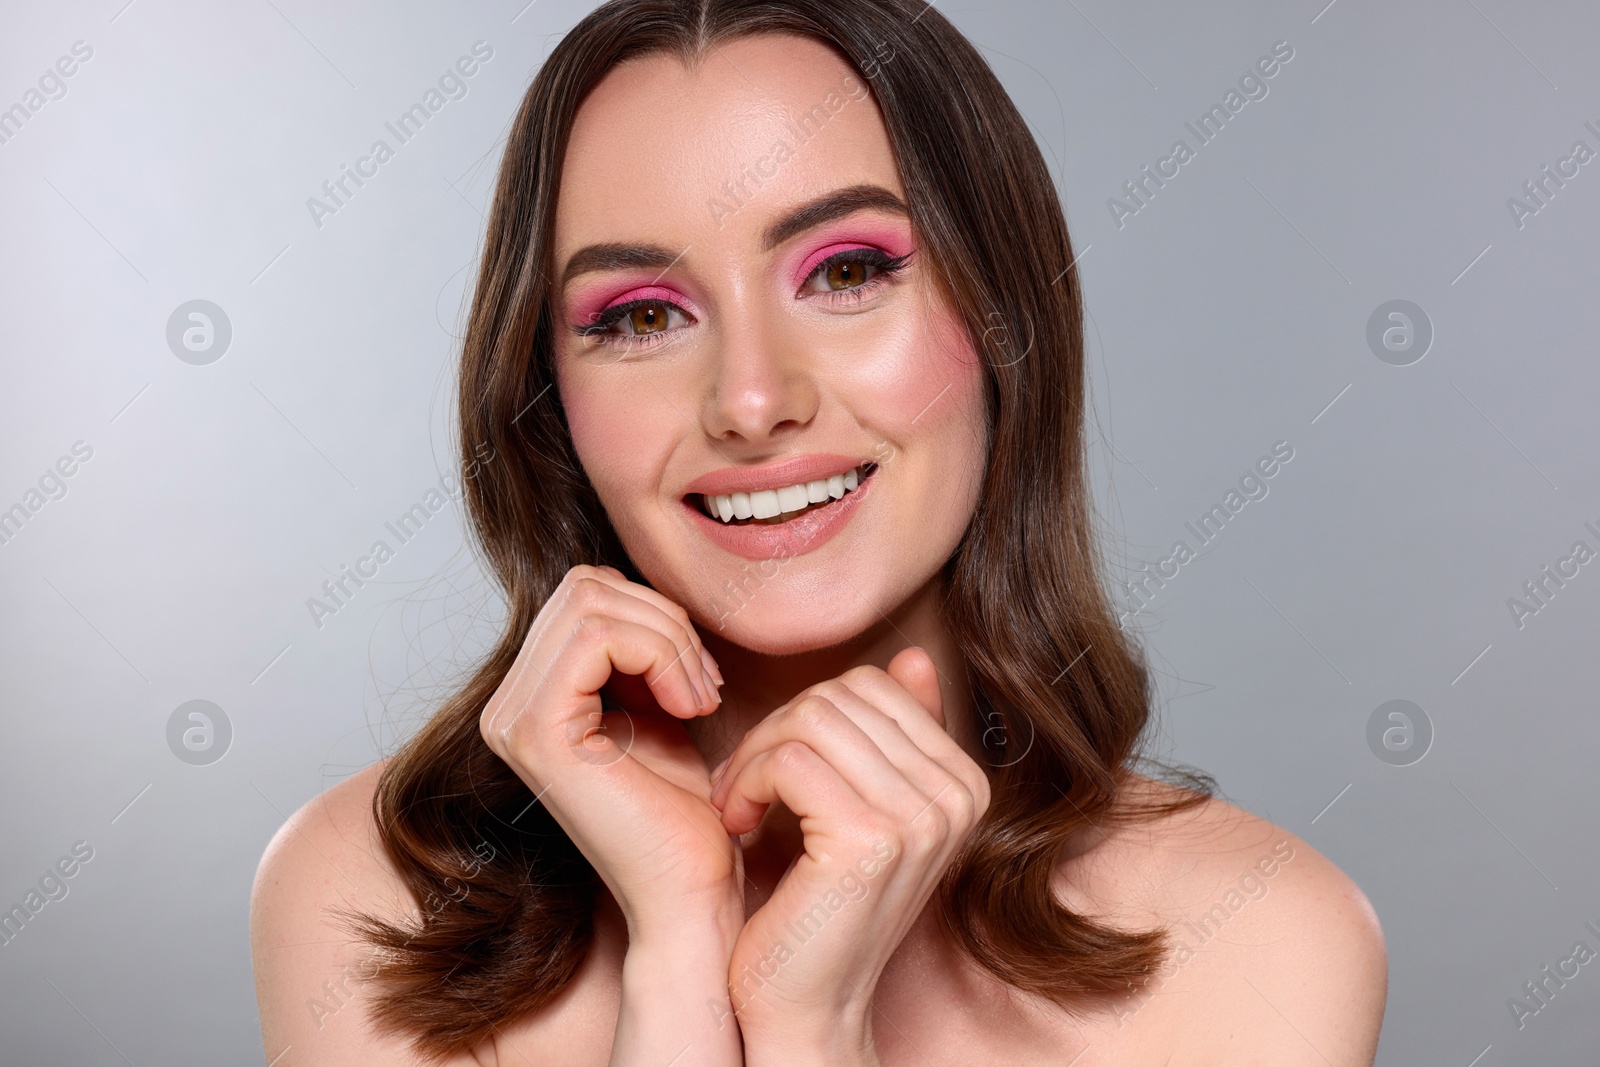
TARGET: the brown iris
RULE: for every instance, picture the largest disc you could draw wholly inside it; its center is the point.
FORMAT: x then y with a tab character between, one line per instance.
648	318
846	274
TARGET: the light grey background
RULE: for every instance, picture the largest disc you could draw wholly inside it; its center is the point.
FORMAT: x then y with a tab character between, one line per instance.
1229	313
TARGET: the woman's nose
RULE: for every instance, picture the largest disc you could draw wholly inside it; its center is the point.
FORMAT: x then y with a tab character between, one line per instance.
762	387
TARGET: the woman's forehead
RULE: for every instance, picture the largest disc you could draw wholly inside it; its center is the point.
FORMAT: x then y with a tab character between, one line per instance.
759	124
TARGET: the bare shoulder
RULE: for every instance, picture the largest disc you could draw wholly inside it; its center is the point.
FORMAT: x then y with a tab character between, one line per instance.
1276	954
324	860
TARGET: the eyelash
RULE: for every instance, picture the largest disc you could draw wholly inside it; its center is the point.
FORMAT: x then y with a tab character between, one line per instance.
887	267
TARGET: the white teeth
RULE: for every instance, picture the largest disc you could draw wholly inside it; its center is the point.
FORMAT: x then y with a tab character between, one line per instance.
791	498
768	503
765	503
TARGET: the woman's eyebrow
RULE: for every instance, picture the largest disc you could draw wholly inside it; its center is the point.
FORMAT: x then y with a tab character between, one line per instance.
604	257
830	206
825	208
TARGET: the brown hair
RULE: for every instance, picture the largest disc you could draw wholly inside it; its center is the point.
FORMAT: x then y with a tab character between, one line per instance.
1061	690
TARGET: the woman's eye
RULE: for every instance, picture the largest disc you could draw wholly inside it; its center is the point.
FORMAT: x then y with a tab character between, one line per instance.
855	271
637	319
846	274
647	318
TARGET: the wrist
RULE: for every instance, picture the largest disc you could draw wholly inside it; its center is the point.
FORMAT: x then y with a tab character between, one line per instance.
701	939
675	995
778	1033
670	958
691	929
834	1050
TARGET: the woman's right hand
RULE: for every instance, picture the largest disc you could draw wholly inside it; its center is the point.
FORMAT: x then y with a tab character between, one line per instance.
630	788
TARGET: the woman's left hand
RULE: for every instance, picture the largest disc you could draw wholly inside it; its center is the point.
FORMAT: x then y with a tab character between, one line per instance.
885	798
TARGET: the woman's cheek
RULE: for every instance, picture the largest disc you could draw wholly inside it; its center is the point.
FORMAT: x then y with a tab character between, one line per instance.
928	380
605	433
943	415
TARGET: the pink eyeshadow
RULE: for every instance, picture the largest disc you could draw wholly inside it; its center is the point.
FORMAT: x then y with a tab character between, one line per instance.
587	306
849	235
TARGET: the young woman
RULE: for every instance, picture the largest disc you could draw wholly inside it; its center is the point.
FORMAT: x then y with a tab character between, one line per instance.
811	738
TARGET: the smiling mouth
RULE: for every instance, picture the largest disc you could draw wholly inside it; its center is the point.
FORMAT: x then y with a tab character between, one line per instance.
770	507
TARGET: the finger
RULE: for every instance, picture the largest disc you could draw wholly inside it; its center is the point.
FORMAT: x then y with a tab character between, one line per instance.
601	594
913	668
909	760
839	738
597	645
536	650
673	610
883	691
803	780
867	747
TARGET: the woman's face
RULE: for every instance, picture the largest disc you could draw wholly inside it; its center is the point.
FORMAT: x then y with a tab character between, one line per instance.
750	327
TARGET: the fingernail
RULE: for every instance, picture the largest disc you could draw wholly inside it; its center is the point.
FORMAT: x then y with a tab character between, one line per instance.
711	688
710	667
716	772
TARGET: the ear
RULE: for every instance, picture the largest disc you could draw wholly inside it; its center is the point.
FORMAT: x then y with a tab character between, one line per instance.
913	669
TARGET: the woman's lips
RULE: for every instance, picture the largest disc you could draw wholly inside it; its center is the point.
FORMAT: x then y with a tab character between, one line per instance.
783	503
805	532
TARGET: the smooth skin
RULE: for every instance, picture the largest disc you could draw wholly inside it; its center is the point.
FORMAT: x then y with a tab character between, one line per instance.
796	734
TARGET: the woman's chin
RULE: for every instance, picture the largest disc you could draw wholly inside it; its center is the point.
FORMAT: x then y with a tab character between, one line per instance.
777	629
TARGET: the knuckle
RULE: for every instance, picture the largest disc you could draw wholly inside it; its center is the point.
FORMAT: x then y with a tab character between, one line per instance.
678	615
587	593
569	584
963	806
593	626
491	722
792	756
830	690
864	674
981	794
501	738
975	782
667	649
815	714
884	831
925	834
488	731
